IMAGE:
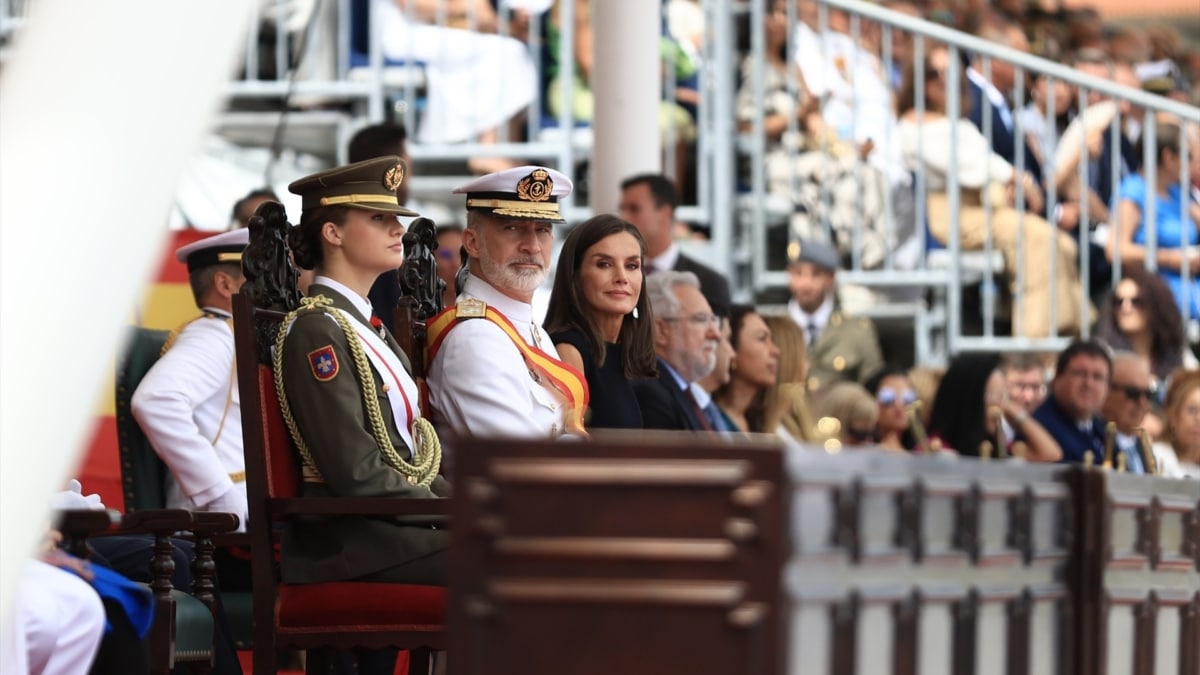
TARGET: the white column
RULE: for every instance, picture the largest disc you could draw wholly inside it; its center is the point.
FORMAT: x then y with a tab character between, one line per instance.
627	83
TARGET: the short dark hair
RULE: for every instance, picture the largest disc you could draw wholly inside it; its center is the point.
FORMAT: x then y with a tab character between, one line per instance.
201	280
377	140
662	188
568	310
256	193
1020	361
1080	347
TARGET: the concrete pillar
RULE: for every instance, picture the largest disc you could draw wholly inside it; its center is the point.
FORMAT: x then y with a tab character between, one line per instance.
627	83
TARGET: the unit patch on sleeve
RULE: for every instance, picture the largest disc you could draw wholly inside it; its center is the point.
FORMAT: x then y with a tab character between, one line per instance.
324	363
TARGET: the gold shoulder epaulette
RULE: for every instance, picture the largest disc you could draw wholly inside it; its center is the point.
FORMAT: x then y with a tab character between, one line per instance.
470	308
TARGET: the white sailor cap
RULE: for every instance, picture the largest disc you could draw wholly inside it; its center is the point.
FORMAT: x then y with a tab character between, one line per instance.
521	193
226	247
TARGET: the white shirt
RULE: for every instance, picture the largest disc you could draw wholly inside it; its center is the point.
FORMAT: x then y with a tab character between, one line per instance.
999	103
189	408
478	381
819	318
666	260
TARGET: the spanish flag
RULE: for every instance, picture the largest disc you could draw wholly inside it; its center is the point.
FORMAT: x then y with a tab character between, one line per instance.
166	303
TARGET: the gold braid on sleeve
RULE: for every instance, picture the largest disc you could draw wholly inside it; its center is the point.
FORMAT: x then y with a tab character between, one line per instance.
427	455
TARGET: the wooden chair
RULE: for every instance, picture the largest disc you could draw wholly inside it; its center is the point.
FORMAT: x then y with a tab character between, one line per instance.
182	631
318	617
630	554
143	473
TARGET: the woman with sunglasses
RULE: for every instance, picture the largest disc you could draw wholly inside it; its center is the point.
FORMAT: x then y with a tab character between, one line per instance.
961	421
754	371
1143	318
599	317
894	394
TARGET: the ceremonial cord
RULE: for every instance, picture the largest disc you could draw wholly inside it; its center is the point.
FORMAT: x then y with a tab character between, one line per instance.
427	450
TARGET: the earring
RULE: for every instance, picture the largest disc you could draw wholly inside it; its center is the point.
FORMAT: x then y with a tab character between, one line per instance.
635	312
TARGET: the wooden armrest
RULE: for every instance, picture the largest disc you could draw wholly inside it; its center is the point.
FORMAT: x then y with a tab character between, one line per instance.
213	523
357	506
157	521
231	539
86	522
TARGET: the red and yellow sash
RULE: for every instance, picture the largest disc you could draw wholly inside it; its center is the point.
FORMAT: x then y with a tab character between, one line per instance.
569	382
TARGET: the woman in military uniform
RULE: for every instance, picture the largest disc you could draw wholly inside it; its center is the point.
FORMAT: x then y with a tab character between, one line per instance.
348	397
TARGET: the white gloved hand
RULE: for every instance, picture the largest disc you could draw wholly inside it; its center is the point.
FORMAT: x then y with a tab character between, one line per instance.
233	501
73	498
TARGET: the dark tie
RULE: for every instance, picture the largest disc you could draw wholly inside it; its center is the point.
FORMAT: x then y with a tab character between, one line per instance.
700	416
813	332
713	415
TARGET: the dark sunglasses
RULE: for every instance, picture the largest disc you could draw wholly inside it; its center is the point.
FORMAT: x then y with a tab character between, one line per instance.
932	73
1135	300
1134	393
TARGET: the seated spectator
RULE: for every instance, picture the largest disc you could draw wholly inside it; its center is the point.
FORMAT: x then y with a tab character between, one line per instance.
787	402
822	175
1130	397
753	374
982	176
962	417
1071	412
245	207
858	106
1043	126
847	415
1181	437
839	347
649	201
1142	317
704	388
990	109
599	317
464	58
686	337
1174	230
1024	379
895	396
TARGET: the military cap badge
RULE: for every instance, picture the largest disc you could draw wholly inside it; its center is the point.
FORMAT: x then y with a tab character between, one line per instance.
536	187
394	177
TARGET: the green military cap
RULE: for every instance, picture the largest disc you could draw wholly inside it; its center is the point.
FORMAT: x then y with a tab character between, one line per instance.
370	184
813	251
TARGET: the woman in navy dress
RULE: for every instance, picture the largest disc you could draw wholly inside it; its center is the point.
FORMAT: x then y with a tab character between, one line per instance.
599	317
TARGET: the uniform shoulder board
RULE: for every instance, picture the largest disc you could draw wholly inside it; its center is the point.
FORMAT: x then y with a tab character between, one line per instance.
470	308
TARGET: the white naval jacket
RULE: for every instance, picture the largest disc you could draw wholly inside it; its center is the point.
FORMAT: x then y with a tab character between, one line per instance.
182	402
478	381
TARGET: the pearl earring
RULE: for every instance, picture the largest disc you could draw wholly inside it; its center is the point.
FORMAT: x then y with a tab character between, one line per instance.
635	312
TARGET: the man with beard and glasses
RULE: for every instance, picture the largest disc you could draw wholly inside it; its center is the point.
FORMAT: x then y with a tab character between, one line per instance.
493	370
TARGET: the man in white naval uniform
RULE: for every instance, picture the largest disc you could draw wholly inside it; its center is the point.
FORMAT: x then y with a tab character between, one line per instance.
188	403
481	381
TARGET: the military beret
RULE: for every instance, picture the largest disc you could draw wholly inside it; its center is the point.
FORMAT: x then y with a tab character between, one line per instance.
521	193
370	184
226	247
813	251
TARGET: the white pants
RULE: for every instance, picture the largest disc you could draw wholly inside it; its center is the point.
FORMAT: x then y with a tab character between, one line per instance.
476	81
55	626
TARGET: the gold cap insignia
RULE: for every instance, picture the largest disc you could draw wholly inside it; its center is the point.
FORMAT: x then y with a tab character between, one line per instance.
394	177
839	363
536	187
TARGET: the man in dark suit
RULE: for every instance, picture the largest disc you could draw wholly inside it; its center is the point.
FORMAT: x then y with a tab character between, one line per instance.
996	91
1071	413
648	201
686	337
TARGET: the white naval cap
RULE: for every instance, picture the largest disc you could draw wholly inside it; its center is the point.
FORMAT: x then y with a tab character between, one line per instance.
226	247
520	193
